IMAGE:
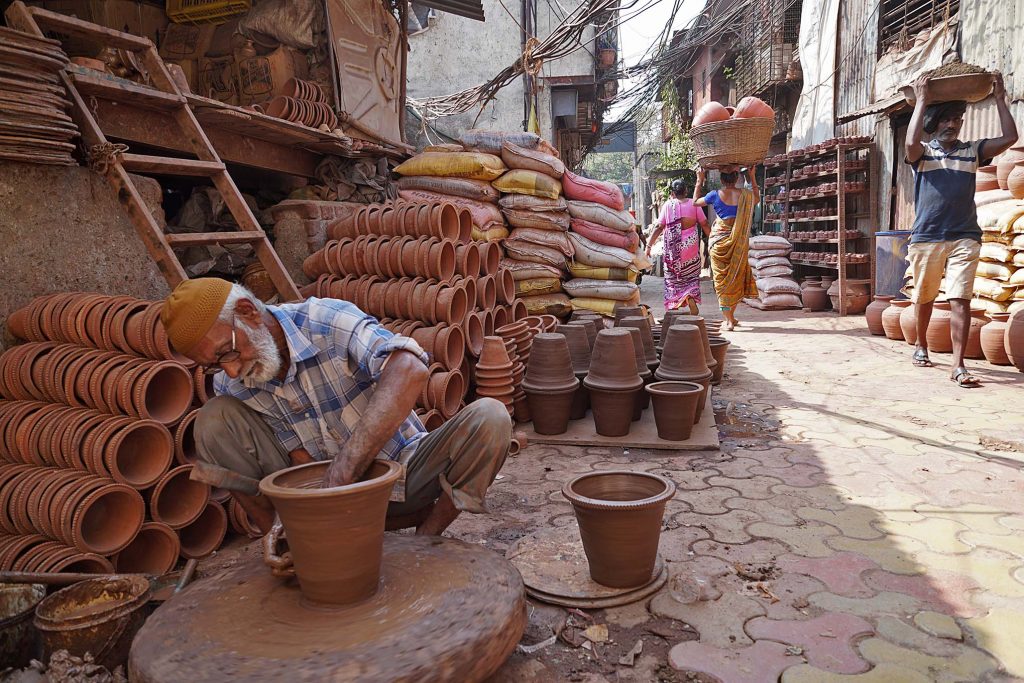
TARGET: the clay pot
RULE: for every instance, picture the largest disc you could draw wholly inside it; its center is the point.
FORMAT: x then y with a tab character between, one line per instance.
445	344
993	339
1015	181
978	321
444	391
613	362
490	258
719	350
890	319
814	297
517	310
643	324
153	551
711	112
857	297
579	346
590	328
908	322
682	356
103	520
205	533
987	179
138	453
627	312
873	314
162	392
467	260
550	384
939	339
336	534
177	500
1013	339
493	356
620	516
1005	164
675	408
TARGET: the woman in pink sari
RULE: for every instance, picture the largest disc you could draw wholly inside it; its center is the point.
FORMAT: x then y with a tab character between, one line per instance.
678	224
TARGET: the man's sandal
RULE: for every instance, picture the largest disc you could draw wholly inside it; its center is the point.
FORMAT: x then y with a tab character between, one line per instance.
964	379
921	359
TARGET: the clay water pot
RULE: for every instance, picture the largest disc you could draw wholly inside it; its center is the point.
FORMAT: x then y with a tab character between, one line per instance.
579	346
682	357
154	550
978	322
908	322
1013	339
719	349
993	339
620	516
205	534
873	314
1015	181
1005	164
177	500
814	297
675	408
890	318
336	534
938	337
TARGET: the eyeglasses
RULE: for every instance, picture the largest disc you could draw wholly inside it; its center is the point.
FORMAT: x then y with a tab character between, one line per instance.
226	357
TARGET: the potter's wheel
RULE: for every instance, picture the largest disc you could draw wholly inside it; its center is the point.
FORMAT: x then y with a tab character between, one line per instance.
555	570
446	611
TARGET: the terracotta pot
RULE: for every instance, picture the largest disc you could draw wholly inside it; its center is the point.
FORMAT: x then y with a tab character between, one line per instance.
993	343
494	357
719	350
591	330
473	333
643	324
873	314
335	534
517	310
450	305
579	346
177	500
1015	181
613	409
939	339
105	520
613	363
1005	164
467	260
675	408
682	356
470	285
978	321
139	453
857	297
500	316
627	312
908	323
185	439
16	323
550	367
815	298
620	516
505	286
490	258
163	392
890	318
444	391
153	551
204	535
487	293
1013	339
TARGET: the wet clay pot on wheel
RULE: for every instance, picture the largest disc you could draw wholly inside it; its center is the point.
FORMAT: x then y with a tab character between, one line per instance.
891	319
1013	340
335	535
993	339
613	382
620	516
550	384
939	339
873	314
908	322
675	408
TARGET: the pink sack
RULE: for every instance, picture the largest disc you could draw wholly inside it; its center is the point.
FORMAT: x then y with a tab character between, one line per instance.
607	236
587	190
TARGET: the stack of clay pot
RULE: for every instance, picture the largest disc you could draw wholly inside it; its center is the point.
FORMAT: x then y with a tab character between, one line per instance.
96	441
550	383
579	341
684	359
412	265
493	373
518	338
305	103
613	382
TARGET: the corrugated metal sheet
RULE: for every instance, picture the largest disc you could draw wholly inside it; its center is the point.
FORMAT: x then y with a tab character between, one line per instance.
991	37
858	50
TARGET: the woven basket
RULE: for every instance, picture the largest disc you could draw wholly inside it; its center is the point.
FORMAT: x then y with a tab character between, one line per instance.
736	141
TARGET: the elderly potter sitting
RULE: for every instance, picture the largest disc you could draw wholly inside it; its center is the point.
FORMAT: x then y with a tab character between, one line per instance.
321	380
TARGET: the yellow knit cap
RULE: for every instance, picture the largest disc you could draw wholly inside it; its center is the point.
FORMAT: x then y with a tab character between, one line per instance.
192	309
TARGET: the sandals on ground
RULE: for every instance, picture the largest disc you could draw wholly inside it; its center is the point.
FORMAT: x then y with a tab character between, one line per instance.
964	379
921	359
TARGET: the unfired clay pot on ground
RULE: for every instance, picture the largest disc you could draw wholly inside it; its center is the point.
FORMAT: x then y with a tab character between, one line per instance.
992	338
675	408
335	534
891	319
873	314
814	297
620	516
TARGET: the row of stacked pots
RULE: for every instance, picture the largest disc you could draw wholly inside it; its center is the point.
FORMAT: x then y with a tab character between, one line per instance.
97	445
995	337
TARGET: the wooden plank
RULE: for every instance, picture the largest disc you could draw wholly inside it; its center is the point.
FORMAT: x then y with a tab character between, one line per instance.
198	239
135	95
71	26
144	163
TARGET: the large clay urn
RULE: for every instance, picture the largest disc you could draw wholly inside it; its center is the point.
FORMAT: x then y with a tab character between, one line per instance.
993	344
857	297
620	516
978	322
1006	163
335	535
814	297
939	339
1015	181
873	314
550	383
890	319
1013	339
613	382
675	408
908	322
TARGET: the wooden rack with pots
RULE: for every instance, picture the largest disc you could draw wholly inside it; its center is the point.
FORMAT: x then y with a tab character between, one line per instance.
817	198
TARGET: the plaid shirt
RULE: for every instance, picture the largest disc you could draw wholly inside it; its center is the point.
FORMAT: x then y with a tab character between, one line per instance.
337	354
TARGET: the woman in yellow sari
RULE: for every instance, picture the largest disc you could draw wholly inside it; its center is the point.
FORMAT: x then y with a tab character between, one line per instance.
729	239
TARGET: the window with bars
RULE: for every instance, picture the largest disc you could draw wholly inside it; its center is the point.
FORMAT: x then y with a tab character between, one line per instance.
769	36
901	21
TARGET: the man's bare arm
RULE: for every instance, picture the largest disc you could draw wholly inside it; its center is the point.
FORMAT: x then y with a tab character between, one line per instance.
915	131
994	146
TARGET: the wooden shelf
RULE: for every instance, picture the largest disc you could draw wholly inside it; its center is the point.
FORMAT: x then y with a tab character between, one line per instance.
825	174
796	240
819	264
809	197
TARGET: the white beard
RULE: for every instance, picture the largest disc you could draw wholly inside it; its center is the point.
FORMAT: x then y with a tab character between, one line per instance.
268	361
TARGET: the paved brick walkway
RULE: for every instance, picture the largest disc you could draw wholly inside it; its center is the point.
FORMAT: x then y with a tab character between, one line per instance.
852	528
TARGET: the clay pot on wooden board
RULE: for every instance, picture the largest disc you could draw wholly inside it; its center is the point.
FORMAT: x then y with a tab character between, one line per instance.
1005	164
890	319
938	337
719	349
908	323
675	408
978	322
1013	339
620	516
642	400
335	535
698	322
873	314
643	324
613	382
992	338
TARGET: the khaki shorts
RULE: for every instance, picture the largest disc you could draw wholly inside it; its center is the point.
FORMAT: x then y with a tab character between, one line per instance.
958	259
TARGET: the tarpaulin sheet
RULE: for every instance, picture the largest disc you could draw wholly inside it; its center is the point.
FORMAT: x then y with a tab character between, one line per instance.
814	120
897	69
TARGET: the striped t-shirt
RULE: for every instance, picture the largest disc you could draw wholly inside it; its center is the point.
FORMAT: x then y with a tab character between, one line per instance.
944	185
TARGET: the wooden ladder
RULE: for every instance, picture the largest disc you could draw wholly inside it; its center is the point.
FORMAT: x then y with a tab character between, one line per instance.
166	97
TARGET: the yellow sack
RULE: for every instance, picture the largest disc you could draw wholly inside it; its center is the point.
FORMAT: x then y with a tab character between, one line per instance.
597	273
538	285
493	234
1011	221
602	306
989	306
521	181
547	304
473	165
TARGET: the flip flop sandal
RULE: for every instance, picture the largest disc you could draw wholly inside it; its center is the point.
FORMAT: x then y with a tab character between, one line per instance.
965	380
921	359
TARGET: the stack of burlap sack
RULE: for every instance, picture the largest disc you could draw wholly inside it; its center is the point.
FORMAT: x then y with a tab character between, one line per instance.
999	282
769	258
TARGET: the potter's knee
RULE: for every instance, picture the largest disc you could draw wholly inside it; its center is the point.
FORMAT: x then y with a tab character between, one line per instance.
491	419
215	420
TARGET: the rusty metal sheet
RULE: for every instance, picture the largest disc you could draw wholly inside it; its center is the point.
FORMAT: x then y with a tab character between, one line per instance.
367	47
471	9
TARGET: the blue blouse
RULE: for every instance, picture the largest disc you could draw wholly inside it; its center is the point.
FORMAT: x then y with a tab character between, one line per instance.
722	210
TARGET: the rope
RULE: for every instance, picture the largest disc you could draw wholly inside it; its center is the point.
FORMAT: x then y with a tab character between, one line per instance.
102	157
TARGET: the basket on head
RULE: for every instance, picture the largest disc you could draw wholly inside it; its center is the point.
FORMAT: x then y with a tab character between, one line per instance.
732	142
